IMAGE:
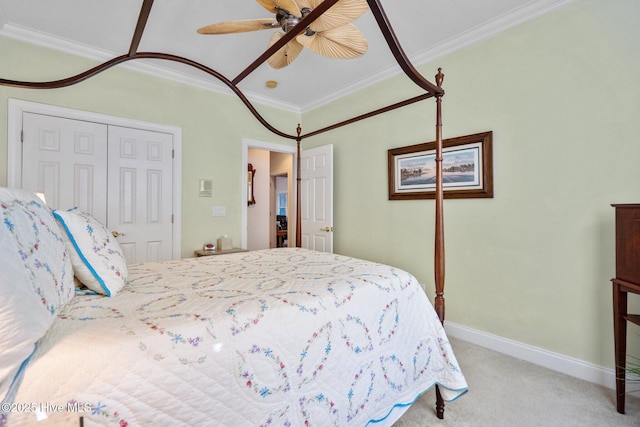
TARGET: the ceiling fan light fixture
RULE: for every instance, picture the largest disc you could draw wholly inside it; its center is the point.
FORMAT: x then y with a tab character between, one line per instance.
271	84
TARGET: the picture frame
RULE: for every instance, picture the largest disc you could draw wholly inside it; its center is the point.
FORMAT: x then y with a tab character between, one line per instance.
467	169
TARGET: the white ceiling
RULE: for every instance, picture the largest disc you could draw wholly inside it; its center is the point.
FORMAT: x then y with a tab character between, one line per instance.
101	30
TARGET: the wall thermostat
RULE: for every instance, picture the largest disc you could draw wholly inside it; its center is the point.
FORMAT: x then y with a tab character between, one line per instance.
206	188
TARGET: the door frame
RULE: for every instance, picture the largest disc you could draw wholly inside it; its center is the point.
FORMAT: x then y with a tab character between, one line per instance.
14	149
268	146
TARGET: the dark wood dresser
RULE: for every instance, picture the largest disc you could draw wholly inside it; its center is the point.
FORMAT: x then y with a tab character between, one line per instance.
627	281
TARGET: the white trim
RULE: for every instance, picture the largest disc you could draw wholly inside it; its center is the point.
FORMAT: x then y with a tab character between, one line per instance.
493	27
207	82
261	145
14	150
489	29
538	356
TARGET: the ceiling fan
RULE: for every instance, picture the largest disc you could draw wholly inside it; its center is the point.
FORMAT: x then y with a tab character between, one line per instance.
332	34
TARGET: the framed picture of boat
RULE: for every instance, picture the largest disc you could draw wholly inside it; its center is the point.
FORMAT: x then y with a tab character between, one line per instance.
467	169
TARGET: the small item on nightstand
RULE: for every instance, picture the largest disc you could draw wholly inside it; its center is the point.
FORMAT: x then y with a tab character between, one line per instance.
224	243
209	247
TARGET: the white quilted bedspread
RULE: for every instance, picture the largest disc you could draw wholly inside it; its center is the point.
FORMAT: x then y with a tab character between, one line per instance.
282	337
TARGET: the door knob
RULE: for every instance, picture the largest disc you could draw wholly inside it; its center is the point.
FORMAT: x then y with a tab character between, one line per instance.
116	234
327	229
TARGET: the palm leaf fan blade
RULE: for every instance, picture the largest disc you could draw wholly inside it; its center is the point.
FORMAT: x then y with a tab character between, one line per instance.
273	6
241	26
346	42
286	54
341	13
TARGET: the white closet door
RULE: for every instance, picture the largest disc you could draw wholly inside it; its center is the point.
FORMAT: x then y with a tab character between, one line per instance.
140	193
65	159
121	176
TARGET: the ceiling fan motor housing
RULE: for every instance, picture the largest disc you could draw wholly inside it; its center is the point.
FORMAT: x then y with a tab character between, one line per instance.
287	20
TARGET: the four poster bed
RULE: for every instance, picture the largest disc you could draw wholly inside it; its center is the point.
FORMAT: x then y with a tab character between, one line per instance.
275	337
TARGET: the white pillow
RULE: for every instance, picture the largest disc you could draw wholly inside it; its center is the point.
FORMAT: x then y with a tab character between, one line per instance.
36	279
96	255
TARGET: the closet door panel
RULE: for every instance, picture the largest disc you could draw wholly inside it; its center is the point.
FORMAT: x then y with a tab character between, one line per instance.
47	181
142	183
127	198
65	159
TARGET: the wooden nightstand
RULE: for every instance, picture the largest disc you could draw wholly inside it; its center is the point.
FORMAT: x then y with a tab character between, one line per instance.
200	252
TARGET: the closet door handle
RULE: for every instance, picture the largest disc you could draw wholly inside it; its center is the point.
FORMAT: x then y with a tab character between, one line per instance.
116	233
327	229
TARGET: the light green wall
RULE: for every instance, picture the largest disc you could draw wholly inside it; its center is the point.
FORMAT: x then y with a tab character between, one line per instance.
213	126
533	264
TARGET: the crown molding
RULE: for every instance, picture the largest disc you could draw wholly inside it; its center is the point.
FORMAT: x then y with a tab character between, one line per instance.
89	52
487	30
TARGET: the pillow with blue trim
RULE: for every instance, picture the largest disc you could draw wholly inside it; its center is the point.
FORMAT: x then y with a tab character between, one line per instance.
96	256
36	280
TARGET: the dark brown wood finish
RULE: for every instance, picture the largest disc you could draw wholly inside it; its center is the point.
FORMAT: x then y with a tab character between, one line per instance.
627	281
298	190
621	289
370	114
78	78
69	81
398	52
484	138
628	242
438	267
145	10
251	172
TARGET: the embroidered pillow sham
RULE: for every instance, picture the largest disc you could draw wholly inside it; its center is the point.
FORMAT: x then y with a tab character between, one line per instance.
96	256
36	278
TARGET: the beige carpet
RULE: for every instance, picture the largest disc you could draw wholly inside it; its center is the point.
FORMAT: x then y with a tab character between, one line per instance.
504	391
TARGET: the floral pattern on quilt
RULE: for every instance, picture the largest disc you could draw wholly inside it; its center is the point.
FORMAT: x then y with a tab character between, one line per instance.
277	337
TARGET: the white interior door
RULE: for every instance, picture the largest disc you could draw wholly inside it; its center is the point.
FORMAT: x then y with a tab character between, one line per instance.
140	193
65	159
316	199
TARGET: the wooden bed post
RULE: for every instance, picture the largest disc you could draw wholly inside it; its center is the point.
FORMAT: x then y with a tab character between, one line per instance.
439	234
298	191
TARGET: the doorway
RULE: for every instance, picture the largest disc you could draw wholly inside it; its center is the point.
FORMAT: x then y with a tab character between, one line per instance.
280	191
259	221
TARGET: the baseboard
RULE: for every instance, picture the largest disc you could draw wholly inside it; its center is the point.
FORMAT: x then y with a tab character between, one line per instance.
538	356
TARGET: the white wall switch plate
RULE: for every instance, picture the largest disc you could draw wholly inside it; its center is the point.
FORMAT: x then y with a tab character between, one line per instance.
219	210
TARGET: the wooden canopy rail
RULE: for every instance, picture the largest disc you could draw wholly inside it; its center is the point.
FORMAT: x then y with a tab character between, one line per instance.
430	89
